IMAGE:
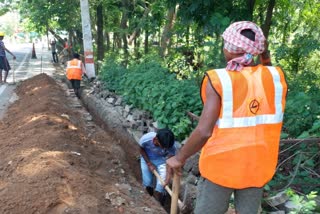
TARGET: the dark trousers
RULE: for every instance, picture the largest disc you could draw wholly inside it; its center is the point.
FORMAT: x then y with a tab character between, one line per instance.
76	86
55	57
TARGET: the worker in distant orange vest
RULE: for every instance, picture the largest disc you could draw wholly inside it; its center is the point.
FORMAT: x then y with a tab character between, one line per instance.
75	71
66	52
239	127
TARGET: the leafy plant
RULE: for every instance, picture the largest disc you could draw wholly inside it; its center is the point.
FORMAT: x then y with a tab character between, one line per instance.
111	74
151	87
302	115
298	168
304	204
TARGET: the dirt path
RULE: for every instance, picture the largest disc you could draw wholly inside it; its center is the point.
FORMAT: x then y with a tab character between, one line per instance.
51	161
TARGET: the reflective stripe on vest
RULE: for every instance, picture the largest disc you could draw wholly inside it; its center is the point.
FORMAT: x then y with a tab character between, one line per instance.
70	64
227	121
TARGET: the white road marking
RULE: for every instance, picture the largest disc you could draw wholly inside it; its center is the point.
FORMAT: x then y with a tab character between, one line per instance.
21	63
2	87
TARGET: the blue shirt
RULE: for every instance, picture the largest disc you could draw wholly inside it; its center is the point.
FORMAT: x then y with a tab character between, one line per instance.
2	50
155	153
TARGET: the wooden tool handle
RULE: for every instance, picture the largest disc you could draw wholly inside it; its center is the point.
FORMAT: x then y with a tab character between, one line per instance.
180	204
175	194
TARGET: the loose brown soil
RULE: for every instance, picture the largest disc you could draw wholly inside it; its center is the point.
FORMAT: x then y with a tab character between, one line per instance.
51	161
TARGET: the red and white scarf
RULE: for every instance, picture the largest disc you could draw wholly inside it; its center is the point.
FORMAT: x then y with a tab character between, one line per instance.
236	43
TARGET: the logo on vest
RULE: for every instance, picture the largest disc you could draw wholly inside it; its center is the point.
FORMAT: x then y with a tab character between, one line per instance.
254	106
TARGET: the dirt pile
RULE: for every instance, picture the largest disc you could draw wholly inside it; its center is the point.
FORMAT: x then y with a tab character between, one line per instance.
51	161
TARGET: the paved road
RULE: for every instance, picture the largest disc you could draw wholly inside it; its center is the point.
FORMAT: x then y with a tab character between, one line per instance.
24	67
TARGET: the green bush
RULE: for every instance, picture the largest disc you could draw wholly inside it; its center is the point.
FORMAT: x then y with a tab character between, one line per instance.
305	204
151	87
302	116
111	73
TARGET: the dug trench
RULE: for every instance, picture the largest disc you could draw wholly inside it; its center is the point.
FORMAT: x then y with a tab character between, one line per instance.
56	158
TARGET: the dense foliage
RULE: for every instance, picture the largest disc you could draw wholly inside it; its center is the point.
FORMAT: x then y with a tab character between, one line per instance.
151	87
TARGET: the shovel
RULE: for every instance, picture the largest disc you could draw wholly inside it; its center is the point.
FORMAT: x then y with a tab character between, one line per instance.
174	193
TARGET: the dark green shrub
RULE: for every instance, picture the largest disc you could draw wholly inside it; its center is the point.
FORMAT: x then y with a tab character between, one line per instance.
302	116
151	87
111	73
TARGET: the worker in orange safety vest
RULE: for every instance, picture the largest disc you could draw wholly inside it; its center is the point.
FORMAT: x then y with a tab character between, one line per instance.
75	70
239	128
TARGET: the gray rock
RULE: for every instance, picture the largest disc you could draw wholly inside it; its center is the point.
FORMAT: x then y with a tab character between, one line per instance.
137	115
191	179
290	206
189	196
155	125
111	100
278	199
127	108
277	212
118	101
191	164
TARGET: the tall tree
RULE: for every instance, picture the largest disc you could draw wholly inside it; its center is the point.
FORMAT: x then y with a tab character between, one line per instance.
167	30
100	31
124	27
58	16
141	23
250	5
267	23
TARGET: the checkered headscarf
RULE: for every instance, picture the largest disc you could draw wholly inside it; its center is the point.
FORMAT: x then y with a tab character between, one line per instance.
236	43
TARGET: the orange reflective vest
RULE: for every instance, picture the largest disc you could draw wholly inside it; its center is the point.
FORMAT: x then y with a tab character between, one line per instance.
243	148
74	69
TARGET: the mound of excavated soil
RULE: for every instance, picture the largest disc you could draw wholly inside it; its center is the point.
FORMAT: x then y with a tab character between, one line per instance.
51	161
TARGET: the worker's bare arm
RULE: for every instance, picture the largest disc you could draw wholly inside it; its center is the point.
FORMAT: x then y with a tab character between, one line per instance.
14	57
202	132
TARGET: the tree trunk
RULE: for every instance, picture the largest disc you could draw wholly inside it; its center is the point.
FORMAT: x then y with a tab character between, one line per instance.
78	38
137	53
267	22
188	36
100	38
124	27
47	34
285	32
108	41
250	5
167	30
141	23
117	42
146	42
